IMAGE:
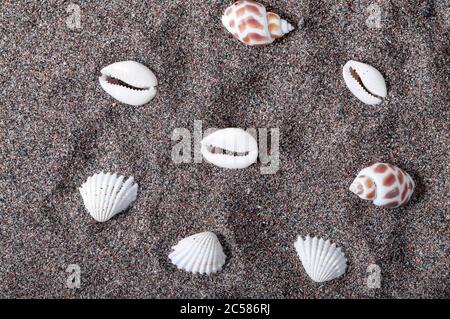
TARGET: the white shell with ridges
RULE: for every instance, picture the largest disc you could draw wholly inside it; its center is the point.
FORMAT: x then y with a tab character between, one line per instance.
321	260
365	82
231	148
200	253
384	184
105	195
129	82
250	23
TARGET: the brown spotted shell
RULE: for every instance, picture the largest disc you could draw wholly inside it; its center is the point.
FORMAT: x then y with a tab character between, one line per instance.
384	184
249	22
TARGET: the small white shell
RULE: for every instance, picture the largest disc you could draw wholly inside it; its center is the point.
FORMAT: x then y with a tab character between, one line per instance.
200	253
231	148
365	82
105	195
250	23
129	82
321	260
384	184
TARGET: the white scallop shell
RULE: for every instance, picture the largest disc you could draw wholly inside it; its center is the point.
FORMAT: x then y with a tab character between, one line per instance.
365	82
231	148
321	260
129	82
200	253
105	195
249	22
384	184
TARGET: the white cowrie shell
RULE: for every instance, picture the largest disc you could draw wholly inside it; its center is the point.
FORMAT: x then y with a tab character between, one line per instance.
365	82
231	148
129	82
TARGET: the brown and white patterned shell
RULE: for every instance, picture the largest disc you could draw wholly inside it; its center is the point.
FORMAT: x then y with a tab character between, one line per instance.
384	184
250	23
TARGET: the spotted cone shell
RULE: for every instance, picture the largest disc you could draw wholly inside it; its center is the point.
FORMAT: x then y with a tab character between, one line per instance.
250	23
384	184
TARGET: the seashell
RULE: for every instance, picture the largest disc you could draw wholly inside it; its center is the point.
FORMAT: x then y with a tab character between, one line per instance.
365	82
231	148
322	260
200	253
129	82
105	195
250	23
384	184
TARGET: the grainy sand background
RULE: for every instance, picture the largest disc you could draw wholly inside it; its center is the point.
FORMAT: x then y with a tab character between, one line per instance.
57	127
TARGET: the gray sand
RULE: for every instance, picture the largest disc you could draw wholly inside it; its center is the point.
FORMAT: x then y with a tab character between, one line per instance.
57	127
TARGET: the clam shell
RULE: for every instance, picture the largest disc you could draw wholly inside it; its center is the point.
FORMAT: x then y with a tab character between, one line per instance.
200	253
384	184
365	82
321	260
129	82
250	23
105	195
231	148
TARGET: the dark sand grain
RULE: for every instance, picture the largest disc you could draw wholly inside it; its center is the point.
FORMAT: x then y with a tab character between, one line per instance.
57	127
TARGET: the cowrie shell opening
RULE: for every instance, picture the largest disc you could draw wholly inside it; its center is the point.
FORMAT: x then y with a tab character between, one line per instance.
129	82
231	148
365	82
